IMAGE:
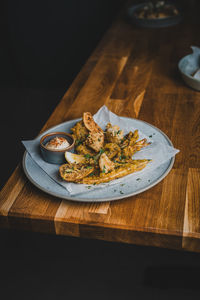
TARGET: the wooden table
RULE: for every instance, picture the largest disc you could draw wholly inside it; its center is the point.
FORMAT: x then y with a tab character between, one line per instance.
134	72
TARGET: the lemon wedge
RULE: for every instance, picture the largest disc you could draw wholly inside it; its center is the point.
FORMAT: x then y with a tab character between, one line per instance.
74	158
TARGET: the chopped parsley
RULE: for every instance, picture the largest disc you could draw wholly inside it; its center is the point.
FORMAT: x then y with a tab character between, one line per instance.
138	179
87	155
78	142
122	157
104	169
101	151
121	192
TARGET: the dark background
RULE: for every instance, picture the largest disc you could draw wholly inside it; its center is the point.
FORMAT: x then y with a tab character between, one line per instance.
44	44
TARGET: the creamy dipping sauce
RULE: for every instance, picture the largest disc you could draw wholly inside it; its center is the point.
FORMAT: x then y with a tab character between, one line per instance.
57	143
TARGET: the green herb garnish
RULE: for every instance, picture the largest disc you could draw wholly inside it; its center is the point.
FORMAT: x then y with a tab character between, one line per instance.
101	151
78	142
87	156
122	157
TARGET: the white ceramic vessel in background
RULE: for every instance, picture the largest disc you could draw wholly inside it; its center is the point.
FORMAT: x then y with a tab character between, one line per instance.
188	66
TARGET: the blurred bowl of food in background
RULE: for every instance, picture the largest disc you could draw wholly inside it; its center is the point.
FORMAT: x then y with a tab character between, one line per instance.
154	14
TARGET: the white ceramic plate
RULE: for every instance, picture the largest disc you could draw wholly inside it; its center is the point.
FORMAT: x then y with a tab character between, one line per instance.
113	192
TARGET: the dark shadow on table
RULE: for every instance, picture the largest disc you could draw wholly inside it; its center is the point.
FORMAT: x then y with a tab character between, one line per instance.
58	267
169	277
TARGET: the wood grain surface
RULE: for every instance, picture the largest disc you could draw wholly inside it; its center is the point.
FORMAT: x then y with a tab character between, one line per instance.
134	72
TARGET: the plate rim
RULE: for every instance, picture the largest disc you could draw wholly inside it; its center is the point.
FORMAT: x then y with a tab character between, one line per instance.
119	197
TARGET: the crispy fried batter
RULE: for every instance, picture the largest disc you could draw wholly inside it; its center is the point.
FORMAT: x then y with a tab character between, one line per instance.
131	149
95	140
83	149
105	164
130	139
102	163
80	132
114	134
89	122
112	150
75	172
119	172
